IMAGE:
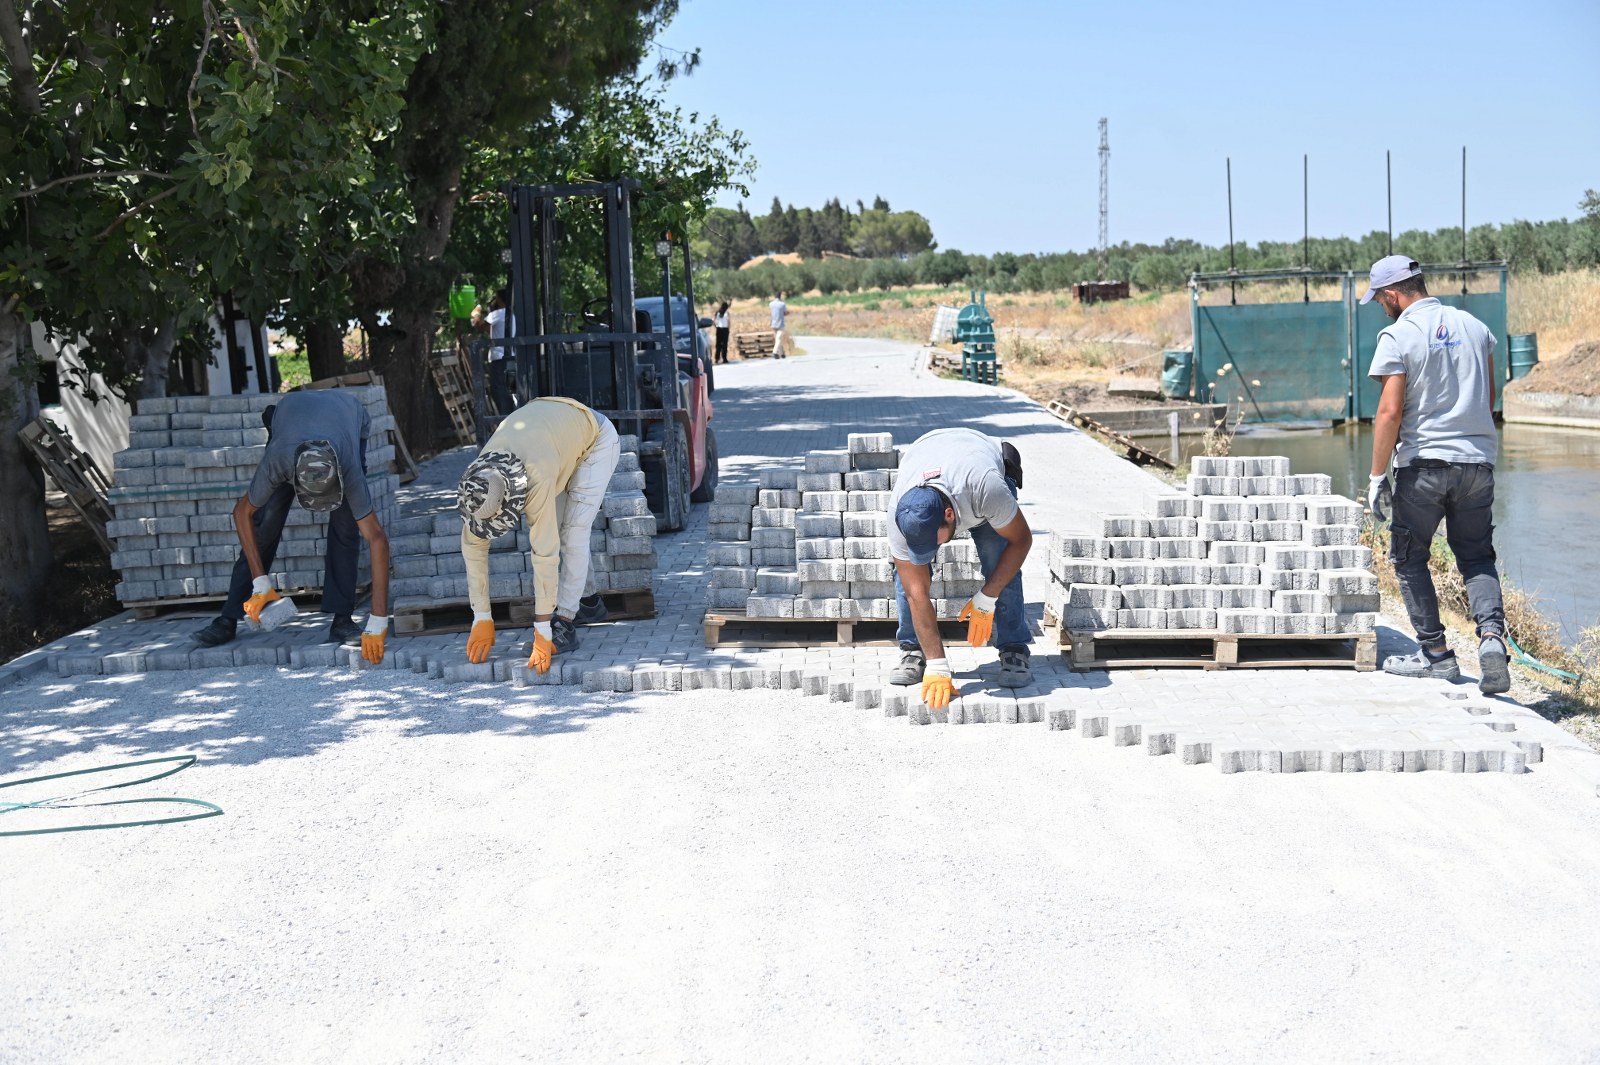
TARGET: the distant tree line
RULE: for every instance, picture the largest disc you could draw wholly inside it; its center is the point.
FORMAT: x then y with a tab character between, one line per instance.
1538	247
728	238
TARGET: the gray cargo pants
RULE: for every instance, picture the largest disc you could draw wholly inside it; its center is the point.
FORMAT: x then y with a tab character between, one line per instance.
1462	495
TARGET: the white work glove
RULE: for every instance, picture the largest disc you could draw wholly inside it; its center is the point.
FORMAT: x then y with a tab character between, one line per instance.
1380	497
983	602
372	640
543	629
937	687
261	585
377	625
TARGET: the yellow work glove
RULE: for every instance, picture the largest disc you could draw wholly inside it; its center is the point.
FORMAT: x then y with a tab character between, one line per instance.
979	616
544	649
372	640
263	593
481	642
937	687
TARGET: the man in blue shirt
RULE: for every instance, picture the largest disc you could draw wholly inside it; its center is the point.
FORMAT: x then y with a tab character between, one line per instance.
1435	424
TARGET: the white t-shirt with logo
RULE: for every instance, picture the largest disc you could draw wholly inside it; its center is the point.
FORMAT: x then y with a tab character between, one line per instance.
1444	354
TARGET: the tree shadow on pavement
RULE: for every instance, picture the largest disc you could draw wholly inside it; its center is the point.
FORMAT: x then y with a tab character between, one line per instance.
247	715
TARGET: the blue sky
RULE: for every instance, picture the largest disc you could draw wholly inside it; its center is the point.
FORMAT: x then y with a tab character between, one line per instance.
983	116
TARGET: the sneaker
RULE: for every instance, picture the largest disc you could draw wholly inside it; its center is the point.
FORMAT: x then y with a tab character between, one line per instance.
343	630
1015	672
592	610
909	671
564	634
220	631
1422	664
1496	669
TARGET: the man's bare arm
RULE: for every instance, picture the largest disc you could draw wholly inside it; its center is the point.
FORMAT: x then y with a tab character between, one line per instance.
1386	423
1019	541
378	547
243	513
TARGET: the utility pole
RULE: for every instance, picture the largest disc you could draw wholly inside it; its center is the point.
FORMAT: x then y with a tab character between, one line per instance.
1105	195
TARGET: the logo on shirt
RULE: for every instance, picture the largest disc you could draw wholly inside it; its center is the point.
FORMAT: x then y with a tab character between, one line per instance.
1443	332
931	473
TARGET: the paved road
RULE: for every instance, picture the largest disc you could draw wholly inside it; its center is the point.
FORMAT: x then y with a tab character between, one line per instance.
412	870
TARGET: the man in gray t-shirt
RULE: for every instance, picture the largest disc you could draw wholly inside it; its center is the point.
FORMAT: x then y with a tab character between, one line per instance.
1435	424
953	481
780	322
316	454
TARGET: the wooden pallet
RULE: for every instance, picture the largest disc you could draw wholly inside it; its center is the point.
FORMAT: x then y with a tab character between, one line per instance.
348	380
753	345
1188	648
735	629
73	471
436	617
206	605
454	382
1137	453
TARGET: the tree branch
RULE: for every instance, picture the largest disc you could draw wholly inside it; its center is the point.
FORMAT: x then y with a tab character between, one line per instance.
19	56
47	186
135	209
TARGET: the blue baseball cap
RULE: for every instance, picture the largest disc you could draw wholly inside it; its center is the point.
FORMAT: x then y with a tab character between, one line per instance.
919	516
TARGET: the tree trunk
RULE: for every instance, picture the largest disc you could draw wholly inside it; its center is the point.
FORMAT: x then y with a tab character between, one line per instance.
401	352
324	343
24	536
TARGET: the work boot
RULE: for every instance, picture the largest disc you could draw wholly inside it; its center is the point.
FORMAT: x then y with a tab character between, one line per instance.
564	634
220	631
343	630
592	610
1015	672
1424	663
909	671
1492	661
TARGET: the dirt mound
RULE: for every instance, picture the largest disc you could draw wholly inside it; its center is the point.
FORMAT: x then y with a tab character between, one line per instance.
1575	374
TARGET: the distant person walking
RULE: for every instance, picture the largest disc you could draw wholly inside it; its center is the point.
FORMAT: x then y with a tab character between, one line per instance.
720	320
1435	424
502	363
780	315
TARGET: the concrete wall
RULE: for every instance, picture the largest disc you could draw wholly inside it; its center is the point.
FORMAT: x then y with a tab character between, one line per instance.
1552	408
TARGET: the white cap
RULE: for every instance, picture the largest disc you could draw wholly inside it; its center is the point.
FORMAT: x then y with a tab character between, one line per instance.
1390	270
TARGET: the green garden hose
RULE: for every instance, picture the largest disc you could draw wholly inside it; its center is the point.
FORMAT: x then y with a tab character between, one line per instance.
67	802
1528	660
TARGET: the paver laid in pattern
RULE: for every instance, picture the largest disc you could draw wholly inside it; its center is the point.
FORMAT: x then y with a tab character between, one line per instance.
769	415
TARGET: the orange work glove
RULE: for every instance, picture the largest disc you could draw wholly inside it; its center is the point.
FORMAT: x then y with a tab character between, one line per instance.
264	594
937	687
481	641
372	640
543	648
979	616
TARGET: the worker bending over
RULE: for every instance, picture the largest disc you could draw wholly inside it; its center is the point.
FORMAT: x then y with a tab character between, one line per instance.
316	453
951	481
551	460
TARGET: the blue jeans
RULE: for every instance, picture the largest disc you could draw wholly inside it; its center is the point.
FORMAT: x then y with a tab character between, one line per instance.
1462	495
1010	623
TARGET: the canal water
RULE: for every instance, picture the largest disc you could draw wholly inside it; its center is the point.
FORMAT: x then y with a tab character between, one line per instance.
1547	503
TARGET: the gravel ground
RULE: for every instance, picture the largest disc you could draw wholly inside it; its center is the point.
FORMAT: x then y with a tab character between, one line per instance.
410	871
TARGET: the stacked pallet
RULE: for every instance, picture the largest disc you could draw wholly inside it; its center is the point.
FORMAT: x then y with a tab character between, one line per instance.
1249	549
813	544
189	460
428	571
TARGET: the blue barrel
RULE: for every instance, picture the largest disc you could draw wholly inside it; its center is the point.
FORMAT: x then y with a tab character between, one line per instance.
1524	353
1177	373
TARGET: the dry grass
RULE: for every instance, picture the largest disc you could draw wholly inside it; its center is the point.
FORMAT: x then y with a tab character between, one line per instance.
1564	309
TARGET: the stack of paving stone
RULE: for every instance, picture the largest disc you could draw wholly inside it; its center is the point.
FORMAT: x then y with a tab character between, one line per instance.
1250	548
188	461
813	543
427	569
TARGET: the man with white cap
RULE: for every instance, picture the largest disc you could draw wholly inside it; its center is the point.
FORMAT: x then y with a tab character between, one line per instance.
1435	424
952	481
550	461
316	454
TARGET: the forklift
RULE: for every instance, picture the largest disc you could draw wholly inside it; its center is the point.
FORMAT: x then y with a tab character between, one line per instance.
649	374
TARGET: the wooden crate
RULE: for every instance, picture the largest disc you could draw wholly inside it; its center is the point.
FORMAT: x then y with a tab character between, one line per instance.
1198	649
735	629
455	615
454	382
754	345
73	471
